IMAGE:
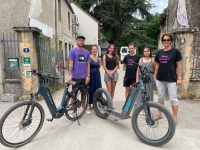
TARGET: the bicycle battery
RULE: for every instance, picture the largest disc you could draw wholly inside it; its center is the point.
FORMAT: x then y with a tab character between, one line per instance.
133	93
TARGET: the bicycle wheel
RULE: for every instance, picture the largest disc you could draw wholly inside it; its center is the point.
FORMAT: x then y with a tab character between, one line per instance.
76	106
102	101
16	131
159	131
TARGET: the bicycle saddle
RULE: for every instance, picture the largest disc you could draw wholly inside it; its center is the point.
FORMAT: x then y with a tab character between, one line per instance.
70	82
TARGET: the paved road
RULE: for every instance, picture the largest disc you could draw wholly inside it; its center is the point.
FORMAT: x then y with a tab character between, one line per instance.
98	134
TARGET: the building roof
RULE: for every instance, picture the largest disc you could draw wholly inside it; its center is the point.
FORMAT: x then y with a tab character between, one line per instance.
70	6
104	45
72	2
162	22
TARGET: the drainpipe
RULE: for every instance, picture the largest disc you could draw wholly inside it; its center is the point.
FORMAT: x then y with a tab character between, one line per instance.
56	32
167	16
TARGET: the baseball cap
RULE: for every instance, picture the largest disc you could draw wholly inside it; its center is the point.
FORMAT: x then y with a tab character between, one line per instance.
80	36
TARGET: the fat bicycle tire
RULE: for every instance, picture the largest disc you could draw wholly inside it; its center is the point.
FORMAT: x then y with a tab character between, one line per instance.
11	122
99	102
77	111
142	133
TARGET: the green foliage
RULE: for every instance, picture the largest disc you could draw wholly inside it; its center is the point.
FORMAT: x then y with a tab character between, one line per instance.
125	21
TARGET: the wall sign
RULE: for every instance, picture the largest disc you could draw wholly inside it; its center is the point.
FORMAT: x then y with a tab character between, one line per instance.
27	61
27	73
26	50
13	63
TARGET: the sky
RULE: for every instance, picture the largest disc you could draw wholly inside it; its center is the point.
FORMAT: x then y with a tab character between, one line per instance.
159	6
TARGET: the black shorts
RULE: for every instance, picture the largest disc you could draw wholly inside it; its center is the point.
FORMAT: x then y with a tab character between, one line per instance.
129	81
78	82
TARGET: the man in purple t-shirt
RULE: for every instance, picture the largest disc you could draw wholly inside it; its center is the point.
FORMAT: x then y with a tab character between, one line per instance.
79	65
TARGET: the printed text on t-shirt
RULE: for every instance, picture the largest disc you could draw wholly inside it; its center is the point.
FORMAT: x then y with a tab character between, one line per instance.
164	59
130	62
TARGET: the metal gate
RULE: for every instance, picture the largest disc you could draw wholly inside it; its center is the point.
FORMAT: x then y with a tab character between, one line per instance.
50	62
195	68
11	56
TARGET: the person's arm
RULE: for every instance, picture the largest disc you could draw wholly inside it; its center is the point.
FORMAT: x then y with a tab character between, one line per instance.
138	71
115	69
104	64
87	80
70	69
156	66
179	72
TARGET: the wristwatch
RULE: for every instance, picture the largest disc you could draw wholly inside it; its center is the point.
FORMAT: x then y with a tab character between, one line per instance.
88	75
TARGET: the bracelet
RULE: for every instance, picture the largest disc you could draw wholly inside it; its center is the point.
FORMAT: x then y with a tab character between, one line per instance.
88	75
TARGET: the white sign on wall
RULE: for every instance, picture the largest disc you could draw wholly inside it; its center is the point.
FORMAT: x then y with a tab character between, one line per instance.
182	14
46	30
35	9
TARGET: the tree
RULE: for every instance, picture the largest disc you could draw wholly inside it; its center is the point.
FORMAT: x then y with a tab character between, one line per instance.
120	20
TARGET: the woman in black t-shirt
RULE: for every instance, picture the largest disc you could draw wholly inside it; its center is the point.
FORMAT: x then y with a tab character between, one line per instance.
168	71
110	65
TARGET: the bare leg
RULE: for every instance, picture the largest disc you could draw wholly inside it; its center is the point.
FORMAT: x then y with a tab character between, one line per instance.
109	87
113	85
127	91
160	112
175	112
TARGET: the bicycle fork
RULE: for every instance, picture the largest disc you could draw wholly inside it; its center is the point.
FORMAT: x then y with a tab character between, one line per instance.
27	121
147	111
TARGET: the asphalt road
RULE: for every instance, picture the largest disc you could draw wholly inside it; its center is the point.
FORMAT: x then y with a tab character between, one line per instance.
106	134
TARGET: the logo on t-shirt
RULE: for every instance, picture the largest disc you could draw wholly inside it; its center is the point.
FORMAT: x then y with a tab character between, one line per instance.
81	58
130	62
164	59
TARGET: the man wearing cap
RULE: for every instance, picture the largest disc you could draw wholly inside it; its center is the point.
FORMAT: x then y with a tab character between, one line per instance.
79	64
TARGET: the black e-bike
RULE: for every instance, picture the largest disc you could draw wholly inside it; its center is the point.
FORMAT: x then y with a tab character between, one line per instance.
152	122
23	121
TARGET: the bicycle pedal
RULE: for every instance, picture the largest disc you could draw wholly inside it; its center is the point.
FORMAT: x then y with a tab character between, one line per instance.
50	120
127	117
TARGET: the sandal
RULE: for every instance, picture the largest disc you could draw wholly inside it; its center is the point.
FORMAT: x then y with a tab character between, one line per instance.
157	118
89	108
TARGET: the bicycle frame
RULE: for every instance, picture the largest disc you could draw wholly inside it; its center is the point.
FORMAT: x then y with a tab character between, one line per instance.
55	112
130	100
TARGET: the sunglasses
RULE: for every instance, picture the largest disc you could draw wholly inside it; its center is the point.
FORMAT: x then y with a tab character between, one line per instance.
166	40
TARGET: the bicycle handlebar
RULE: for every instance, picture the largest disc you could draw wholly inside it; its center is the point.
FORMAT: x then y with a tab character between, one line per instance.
42	76
143	70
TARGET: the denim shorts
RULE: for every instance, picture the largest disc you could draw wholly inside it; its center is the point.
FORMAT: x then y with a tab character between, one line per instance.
108	79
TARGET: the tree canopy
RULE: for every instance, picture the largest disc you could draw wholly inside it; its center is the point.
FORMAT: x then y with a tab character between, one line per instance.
124	21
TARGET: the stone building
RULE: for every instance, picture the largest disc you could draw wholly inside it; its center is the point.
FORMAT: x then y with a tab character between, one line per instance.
51	18
186	39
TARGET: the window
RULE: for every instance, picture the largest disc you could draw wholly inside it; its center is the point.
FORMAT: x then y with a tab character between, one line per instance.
68	20
124	50
59	10
69	47
66	53
60	45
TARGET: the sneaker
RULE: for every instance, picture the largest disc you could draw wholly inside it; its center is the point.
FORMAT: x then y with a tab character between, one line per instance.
142	112
72	115
87	112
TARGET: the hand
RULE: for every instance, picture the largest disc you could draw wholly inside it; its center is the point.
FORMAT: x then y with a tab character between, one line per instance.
87	80
154	79
178	82
110	74
70	77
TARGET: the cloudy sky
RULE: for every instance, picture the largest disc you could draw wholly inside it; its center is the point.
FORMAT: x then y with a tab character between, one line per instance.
159	6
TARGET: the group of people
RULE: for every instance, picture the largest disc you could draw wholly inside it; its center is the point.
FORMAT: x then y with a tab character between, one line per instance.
165	70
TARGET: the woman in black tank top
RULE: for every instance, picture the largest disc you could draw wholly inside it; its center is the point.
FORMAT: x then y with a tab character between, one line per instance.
110	65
